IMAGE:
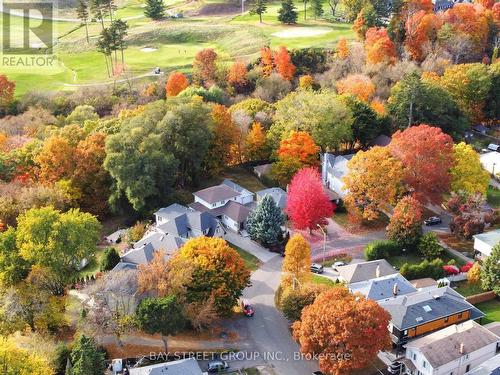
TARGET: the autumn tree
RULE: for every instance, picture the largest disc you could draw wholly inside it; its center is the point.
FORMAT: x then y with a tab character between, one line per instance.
266	61
237	76
467	173
293	301
56	160
366	18
307	205
17	360
223	146
351	324
421	32
255	143
176	82
468	214
264	223
374	181
297	264
205	68
474	274
13	268
7	88
426	154
379	47
405	225
295	152
342	49
219	271
283	63
490	274
358	85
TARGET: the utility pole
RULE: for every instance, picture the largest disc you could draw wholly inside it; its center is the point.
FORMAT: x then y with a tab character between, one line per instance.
324	242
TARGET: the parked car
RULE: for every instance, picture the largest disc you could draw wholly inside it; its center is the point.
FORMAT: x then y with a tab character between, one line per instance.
433	220
316	268
217	366
395	368
317	373
247	308
338	264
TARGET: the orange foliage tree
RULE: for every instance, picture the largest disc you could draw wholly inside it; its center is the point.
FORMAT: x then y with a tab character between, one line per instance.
266	61
299	146
343	49
379	47
255	143
224	136
358	85
176	82
283	63
6	90
345	330
421	30
205	67
378	106
56	160
427	156
237	76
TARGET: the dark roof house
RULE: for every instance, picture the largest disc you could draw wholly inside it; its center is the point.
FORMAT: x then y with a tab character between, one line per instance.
384	287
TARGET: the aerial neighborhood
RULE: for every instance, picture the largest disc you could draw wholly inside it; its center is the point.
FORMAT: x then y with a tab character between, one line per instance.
255	187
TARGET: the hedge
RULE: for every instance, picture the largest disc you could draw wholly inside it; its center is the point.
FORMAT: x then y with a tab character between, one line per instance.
381	249
433	269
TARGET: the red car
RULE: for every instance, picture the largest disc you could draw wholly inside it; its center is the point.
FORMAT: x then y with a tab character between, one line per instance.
247	308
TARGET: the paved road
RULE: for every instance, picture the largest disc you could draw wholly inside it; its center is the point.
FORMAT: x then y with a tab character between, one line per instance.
268	330
249	246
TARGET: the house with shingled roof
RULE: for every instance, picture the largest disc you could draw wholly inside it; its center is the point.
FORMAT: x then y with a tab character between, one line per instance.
364	271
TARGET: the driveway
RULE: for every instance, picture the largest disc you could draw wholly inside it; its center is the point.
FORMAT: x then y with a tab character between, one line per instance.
249	246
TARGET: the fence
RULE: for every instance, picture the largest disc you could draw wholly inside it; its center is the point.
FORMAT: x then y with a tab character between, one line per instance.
481	297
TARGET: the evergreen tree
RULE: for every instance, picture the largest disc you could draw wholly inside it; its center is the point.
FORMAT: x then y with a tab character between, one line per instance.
86	358
287	13
160	315
111	258
305	9
83	14
264	223
95	7
317	7
259	8
155	9
490	274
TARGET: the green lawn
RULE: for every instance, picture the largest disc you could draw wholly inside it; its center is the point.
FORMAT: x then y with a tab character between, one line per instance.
317	279
93	266
493	197
466	289
251	262
414	258
491	309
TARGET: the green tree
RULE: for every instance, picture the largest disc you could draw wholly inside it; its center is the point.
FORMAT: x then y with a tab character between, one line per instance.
429	246
381	249
86	357
414	102
287	13
317	7
57	241
264	223
110	259
118	31
13	268
490	273
259	7
160	315
155	9
82	11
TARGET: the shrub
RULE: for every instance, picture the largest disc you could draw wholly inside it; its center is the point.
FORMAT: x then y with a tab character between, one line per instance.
432	269
214	94
110	259
450	269
466	267
429	246
309	60
272	88
382	249
294	301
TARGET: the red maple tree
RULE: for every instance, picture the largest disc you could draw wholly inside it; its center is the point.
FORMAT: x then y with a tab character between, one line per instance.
308	205
427	156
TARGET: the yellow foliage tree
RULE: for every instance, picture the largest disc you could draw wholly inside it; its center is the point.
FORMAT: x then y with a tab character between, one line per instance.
467	173
342	49
255	143
374	181
20	361
474	274
297	263
306	82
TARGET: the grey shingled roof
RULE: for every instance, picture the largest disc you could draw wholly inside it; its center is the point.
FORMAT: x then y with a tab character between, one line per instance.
418	308
443	346
233	185
381	140
181	219
234	210
217	193
141	255
383	287
337	164
161	241
355	272
278	194
181	367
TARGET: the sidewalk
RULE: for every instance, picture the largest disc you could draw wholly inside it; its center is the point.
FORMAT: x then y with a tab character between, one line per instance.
249	246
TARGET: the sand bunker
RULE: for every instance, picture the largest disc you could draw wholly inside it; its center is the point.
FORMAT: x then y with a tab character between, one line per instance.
301	32
148	49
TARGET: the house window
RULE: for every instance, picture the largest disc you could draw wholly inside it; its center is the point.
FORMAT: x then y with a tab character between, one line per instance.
446	320
405	332
414	356
467	369
213	204
424	364
222	202
467	356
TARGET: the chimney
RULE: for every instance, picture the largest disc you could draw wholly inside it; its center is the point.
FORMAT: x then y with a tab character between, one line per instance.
395	289
462	348
377	271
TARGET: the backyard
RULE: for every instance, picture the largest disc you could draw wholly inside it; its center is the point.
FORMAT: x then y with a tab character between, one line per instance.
491	309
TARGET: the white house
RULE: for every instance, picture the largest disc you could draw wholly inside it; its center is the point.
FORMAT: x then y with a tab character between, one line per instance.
229	202
454	350
484	243
188	366
333	170
491	161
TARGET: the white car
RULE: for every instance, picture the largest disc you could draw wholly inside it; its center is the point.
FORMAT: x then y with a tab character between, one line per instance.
337	264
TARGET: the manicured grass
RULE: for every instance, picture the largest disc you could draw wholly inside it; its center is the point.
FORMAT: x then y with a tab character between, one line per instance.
93	266
466	289
493	197
251	262
414	258
317	279
491	309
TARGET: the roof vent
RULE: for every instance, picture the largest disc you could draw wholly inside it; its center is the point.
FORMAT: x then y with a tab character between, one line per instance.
427	308
462	348
377	271
395	289
419	319
436	297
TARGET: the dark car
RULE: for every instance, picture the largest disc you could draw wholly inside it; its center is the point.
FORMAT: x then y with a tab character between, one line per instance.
316	268
247	308
217	366
317	373
433	220
395	368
